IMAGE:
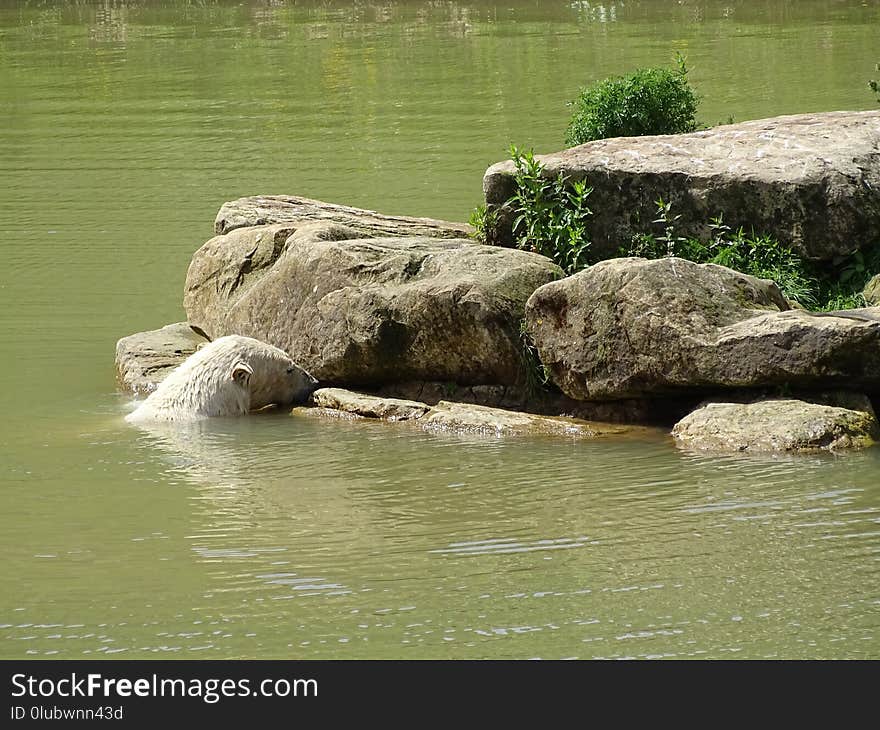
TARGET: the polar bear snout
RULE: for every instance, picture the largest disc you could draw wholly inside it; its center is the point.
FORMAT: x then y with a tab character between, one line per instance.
299	386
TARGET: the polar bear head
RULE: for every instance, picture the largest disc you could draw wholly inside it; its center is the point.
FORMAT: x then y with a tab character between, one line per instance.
227	377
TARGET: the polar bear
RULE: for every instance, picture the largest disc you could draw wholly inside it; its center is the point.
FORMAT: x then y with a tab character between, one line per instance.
227	377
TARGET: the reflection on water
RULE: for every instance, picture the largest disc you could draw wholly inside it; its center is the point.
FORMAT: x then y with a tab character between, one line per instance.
124	126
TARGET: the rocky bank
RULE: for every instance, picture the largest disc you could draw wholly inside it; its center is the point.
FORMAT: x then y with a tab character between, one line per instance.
435	329
810	180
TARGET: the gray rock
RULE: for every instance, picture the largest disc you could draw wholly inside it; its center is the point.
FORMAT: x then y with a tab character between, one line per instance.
292	210
144	359
628	328
778	425
233	262
331	413
872	291
363	312
446	416
369	406
810	180
468	418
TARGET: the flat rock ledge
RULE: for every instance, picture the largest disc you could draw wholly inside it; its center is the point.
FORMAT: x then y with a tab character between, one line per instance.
464	418
810	180
369	406
144	359
291	210
778	425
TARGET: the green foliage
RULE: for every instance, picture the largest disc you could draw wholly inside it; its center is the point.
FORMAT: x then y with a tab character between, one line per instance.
483	220
760	256
841	286
875	85
551	214
668	221
839	298
826	287
535	378
648	101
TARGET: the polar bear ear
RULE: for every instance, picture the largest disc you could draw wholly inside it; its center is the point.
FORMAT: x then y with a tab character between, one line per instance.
241	373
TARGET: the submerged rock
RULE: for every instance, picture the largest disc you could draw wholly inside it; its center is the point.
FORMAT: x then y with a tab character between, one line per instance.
450	416
778	425
143	360
332	413
468	418
368	311
289	210
369	406
810	180
627	328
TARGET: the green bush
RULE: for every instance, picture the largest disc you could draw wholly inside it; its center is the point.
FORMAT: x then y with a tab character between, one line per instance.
875	85
841	286
551	214
533	375
649	101
483	220
761	256
829	286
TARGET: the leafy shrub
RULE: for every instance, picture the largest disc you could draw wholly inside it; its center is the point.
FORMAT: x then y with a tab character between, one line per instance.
648	101
761	256
551	214
841	287
875	85
837	298
533	374
483	220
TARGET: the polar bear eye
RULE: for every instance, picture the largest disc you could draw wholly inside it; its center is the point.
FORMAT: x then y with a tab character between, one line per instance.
290	371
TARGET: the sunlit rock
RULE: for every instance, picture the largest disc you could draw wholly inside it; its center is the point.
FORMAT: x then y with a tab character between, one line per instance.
629	328
778	425
369	406
144	359
468	418
810	180
291	210
368	311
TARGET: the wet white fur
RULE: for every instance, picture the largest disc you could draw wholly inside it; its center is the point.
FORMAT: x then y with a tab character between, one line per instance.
204	384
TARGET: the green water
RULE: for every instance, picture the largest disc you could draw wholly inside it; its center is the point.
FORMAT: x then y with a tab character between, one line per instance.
125	125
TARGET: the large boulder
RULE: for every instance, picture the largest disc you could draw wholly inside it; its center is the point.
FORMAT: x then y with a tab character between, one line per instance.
144	359
778	425
627	328
810	180
289	210
368	311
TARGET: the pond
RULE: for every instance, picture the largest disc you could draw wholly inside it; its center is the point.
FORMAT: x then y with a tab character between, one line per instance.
123	128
